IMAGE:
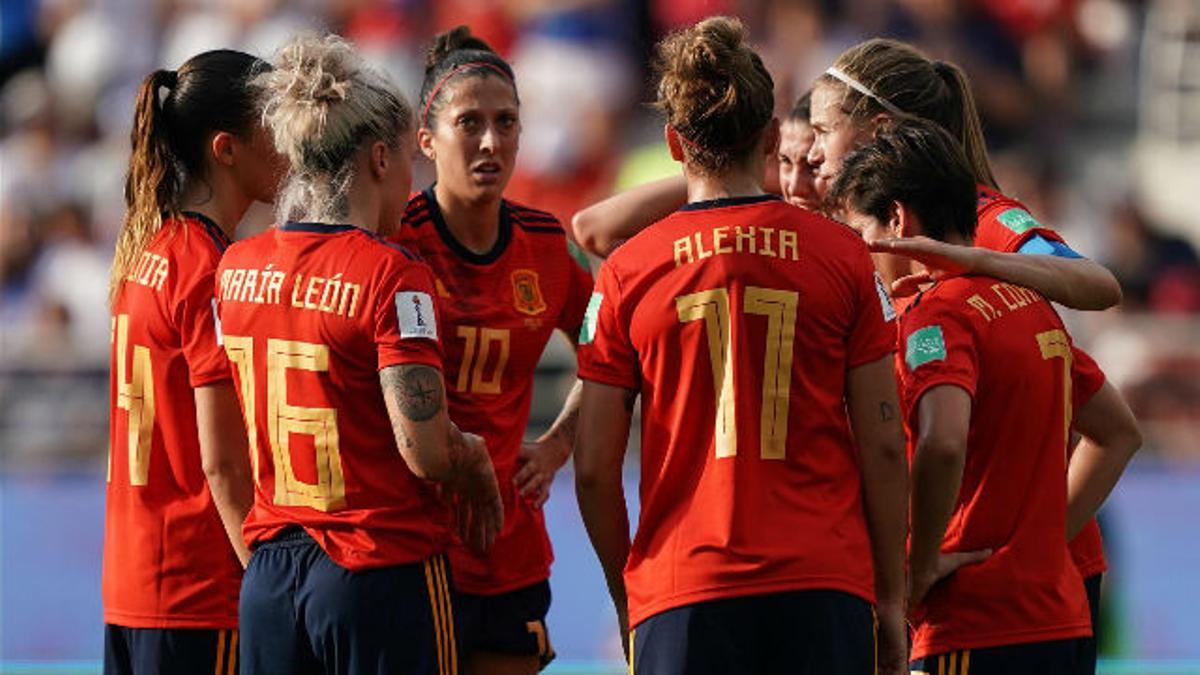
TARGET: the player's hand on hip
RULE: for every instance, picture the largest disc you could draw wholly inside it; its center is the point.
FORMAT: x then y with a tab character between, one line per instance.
539	461
920	582
892	640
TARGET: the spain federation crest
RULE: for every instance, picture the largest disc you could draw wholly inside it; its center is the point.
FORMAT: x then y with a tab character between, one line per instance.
527	295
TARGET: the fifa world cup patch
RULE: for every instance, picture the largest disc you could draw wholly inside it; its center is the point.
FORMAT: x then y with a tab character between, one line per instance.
527	295
885	300
415	315
1018	220
923	346
590	317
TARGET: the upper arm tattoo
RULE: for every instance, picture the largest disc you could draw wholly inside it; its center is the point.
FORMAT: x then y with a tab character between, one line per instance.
417	390
887	412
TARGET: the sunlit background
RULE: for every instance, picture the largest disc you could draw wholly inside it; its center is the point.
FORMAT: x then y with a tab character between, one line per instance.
1092	109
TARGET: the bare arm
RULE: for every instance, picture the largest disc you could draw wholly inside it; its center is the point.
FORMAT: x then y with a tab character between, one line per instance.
944	416
874	411
225	458
604	420
1077	283
1110	437
875	417
542	458
436	450
601	227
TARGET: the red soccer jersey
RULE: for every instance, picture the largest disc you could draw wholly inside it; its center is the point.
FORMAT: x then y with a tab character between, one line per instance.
1004	224
311	314
1008	349
737	321
498	311
167	559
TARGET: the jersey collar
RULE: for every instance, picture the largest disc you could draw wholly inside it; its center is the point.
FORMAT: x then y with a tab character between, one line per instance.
728	201
214	231
439	223
318	228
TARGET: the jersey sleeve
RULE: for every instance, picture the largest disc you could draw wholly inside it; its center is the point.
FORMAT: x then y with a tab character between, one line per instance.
873	335
606	353
1086	378
406	325
200	329
1005	226
579	292
939	348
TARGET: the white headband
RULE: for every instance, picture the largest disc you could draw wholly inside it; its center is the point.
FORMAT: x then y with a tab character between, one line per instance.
854	84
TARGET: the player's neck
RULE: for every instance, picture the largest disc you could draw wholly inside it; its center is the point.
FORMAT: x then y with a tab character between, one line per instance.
703	188
475	225
225	210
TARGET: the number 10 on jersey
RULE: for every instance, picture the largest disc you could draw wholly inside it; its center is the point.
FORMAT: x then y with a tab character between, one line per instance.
779	307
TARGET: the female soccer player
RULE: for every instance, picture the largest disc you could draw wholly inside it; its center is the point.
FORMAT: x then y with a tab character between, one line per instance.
990	381
880	80
171	578
334	337
753	331
797	180
507	280
870	83
603	226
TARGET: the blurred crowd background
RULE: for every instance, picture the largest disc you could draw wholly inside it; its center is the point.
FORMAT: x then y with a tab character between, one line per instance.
1091	107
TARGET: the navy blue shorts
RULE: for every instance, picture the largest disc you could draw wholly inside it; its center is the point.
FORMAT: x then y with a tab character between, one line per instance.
186	651
819	632
512	623
302	613
1091	586
1057	657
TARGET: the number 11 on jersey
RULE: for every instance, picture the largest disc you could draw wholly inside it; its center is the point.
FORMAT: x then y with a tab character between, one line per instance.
779	306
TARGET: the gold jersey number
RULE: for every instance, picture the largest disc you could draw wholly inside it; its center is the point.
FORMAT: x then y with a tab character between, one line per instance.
1055	344
779	306
284	420
480	342
135	394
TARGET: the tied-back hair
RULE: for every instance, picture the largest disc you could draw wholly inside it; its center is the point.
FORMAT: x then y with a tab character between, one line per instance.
802	109
715	92
905	78
916	162
320	103
456	53
211	92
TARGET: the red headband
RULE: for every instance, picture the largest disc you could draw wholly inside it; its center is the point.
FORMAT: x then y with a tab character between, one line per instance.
438	87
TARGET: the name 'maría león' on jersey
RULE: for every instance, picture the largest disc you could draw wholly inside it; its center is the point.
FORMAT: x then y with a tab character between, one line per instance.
331	295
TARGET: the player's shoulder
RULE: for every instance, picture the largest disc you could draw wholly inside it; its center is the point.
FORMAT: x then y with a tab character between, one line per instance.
195	238
418	211
991	199
533	221
946	296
